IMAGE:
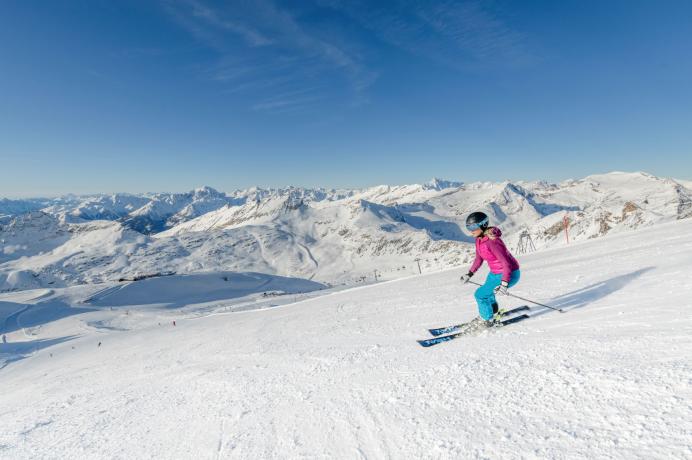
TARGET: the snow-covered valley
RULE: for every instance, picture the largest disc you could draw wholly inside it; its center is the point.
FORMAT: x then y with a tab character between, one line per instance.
258	367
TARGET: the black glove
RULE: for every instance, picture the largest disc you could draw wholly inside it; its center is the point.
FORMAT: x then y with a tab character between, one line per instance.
502	288
465	278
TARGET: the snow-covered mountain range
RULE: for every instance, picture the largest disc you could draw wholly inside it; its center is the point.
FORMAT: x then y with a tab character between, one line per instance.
332	236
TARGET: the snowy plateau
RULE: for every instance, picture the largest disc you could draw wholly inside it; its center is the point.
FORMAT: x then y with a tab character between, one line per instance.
284	324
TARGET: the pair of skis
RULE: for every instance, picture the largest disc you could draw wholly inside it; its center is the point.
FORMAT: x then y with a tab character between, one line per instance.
445	334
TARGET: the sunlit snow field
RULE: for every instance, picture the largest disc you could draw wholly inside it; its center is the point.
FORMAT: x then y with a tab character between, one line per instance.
258	366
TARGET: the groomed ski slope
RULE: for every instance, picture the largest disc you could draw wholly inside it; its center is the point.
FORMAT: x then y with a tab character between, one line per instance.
341	376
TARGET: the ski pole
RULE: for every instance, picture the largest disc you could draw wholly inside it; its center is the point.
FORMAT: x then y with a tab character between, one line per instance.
525	300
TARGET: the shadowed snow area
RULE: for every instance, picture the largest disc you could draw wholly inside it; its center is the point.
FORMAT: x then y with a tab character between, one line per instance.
341	375
181	290
31	316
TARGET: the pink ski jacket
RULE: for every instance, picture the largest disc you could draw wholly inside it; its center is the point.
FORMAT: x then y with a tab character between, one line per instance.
491	249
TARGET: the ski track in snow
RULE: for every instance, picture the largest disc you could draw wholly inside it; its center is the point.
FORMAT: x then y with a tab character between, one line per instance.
310	256
341	375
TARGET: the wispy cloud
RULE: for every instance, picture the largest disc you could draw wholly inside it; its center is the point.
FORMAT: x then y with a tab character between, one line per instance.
288	56
459	34
209	26
476	31
212	17
266	49
289	101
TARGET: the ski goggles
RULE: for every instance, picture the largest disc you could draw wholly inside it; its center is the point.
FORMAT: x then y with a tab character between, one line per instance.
476	226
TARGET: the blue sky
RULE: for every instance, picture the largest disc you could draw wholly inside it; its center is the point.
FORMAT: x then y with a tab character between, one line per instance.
138	95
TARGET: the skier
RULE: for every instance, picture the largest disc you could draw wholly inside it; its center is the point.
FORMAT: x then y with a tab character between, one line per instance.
504	268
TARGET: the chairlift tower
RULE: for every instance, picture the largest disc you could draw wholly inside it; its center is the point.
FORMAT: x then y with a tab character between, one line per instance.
525	243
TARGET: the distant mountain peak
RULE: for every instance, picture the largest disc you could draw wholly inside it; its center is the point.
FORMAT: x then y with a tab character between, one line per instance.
441	184
206	191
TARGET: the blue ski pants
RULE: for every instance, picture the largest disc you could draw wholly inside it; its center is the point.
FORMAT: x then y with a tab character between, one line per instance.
485	295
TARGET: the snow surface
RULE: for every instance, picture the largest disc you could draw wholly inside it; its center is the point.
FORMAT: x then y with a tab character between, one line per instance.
340	375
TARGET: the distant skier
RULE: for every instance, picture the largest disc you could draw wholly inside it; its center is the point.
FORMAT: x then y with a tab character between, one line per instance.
504	268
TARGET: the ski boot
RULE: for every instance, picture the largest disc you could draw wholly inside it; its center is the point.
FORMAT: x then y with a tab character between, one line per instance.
499	316
478	325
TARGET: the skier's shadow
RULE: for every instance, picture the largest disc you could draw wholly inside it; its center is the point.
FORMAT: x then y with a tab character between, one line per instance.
586	295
